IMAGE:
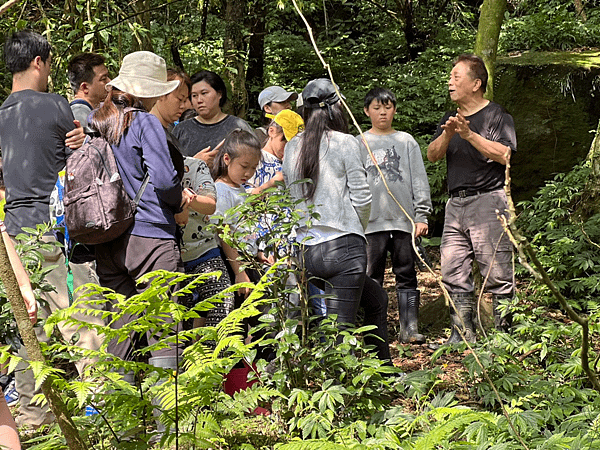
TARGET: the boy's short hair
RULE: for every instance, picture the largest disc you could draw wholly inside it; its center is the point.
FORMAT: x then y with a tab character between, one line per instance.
382	95
22	47
81	69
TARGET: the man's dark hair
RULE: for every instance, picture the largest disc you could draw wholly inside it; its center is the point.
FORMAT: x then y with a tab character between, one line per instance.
476	67
382	95
214	81
22	47
81	69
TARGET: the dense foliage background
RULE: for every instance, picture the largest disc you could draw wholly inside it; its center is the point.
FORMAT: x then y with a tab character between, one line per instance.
527	390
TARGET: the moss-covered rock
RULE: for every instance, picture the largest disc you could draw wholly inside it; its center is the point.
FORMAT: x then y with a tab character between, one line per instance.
552	97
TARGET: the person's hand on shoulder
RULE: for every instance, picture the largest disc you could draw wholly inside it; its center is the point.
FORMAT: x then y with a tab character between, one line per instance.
75	137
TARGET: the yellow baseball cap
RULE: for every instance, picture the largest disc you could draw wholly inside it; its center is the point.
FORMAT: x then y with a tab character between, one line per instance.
290	121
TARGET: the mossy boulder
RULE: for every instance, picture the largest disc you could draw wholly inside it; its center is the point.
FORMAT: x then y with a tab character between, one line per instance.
553	99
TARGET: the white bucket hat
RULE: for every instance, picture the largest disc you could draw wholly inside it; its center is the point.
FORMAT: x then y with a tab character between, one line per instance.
144	75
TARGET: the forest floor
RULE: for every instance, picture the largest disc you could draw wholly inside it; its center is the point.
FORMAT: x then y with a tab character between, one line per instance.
434	323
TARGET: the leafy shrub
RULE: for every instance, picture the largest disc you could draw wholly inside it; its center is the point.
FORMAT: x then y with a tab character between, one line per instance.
552	26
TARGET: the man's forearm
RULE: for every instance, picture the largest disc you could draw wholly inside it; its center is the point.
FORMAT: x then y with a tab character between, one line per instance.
438	148
490	149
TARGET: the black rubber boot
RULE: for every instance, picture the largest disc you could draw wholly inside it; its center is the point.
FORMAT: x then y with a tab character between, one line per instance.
375	301
465	309
502	322
408	309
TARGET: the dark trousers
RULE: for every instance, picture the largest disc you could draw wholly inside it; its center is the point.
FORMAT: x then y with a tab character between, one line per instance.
399	245
119	264
338	267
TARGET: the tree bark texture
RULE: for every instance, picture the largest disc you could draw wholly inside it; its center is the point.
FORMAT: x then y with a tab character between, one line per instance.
235	56
34	352
256	53
486	42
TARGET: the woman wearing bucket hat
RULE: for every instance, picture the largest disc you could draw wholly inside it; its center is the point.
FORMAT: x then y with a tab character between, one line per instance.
140	147
334	249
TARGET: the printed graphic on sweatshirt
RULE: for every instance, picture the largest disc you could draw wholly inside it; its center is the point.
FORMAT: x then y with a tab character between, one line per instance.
389	163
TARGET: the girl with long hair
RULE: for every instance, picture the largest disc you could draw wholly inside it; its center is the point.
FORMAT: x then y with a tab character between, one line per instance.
234	165
334	248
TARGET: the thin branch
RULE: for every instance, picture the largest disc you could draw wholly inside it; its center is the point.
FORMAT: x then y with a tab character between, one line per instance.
437	277
8	5
527	252
124	19
587	236
392	14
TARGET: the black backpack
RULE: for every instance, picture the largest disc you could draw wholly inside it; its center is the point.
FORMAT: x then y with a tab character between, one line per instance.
97	207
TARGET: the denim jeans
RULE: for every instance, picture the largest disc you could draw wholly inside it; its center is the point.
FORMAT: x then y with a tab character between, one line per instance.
472	231
338	267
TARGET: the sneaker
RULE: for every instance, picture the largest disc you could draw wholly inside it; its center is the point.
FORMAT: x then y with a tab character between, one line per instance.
10	394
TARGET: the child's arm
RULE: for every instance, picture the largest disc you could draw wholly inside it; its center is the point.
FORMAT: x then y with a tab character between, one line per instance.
269	184
232	256
202	204
20	274
420	189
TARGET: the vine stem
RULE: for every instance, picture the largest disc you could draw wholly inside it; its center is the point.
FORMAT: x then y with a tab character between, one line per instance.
436	276
527	252
6	6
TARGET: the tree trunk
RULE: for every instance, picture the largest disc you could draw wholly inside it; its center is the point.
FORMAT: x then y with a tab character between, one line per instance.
234	51
256	53
488	31
405	8
580	10
594	154
142	39
34	352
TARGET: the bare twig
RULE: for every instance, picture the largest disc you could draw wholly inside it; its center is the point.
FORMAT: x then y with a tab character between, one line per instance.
529	353
527	252
587	236
436	276
8	5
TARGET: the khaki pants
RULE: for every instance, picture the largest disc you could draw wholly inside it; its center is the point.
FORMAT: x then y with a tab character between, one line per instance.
34	415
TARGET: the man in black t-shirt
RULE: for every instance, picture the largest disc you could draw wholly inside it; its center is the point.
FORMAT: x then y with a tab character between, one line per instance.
36	129
476	140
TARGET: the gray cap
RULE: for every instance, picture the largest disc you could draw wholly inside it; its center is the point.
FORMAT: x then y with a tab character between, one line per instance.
275	94
319	93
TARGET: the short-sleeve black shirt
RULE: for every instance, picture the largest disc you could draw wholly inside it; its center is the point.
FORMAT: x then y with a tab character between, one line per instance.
33	128
468	169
